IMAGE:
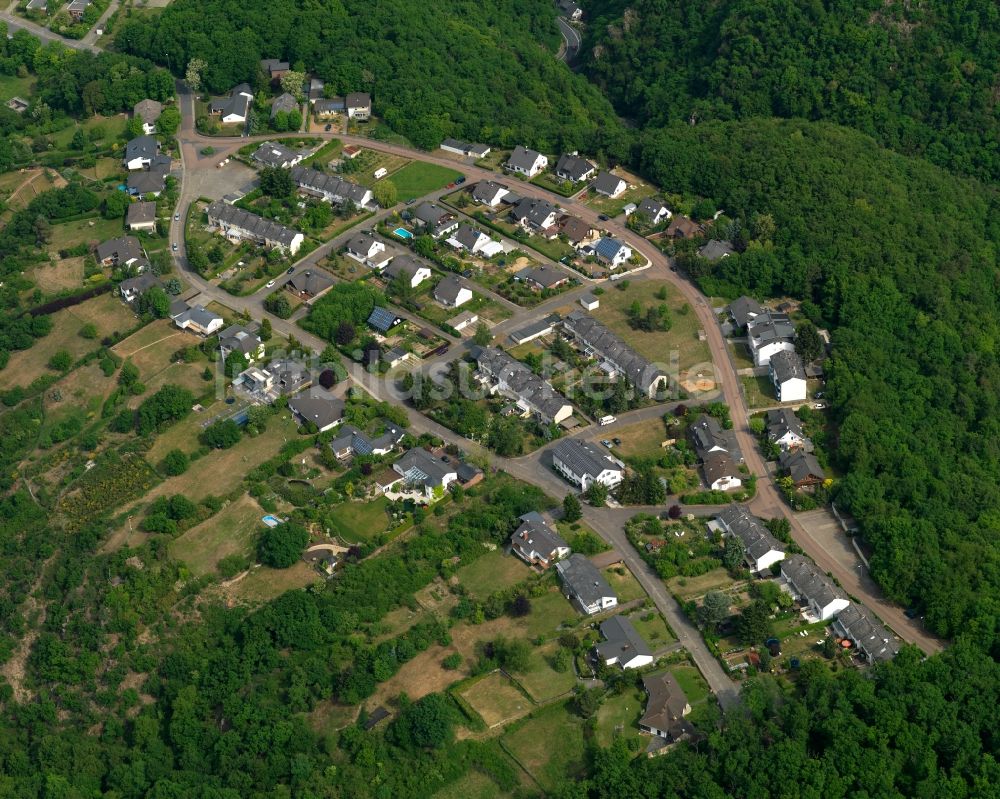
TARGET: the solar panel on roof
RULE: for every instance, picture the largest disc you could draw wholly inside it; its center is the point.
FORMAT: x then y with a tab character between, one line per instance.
381	318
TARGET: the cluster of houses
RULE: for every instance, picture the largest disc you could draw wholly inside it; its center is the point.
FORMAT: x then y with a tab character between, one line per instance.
718	452
784	430
617	358
582	463
239	225
148	167
75	8
531	395
818	596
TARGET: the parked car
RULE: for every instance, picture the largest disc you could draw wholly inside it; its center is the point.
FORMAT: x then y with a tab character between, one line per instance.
328	128
270	284
177	217
607	443
460	181
290	270
819	405
603	217
617	442
607	420
174	247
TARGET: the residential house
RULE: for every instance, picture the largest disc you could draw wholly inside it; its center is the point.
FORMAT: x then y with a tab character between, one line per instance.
582	464
408	268
812	588
768	333
513	379
489	192
597	340
451	293
867	633
141	216
622	645
585	585
368	250
140	152
461	321
469	239
573	168
382	320
716	250
394	357
666	707
123	251
802	467
536	542
274	69
788	374
654	210
536	216
309	283
351	441
435	220
290	375
681	227
609	185
469	475
570	10
148	111
526	162
321	409
236	107
540	278
77	8
359	106
424	473
197	319
465	149
315	89
708	436
151	180
38	5
612	252
134	287
284	103
244	341
326	107
330	188
760	549
785	430
236	225
277	155
721	471
478	150
533	330
743	310
589	302
454	146
578	234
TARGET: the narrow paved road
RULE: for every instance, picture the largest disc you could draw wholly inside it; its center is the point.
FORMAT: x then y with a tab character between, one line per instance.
15	23
571	40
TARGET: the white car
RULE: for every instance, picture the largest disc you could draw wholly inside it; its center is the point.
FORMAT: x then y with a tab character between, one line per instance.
270	284
819	405
607	420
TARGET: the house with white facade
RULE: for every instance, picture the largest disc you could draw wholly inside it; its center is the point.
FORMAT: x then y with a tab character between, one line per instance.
585	586
451	293
197	319
526	162
239	225
785	430
148	111
760	549
408	268
609	185
140	152
867	633
769	333
666	707
277	155
721	472
424	474
814	590
235	107
574	168
472	241
330	188
622	645
654	210
489	192
368	250
583	464
788	374
612	252
513	379
536	542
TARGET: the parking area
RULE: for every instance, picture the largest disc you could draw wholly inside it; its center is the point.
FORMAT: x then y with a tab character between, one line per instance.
823	526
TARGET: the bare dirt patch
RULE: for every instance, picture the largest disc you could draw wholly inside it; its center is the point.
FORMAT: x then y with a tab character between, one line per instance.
497	700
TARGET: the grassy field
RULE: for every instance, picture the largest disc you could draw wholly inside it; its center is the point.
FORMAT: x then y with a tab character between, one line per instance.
618	717
759	391
370	161
264	584
548	613
741	358
624	584
651	626
90	231
360	521
491	572
640	440
13	86
103	168
232	531
692	587
151	349
542	681
635	193
550	745
62	275
20	188
691	682
419	178
473	785
497	700
106	312
681	341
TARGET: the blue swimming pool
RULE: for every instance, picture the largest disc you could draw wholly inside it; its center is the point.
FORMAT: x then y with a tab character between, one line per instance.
403	233
271	521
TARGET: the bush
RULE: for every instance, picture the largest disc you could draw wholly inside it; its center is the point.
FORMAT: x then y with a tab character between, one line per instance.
452	662
221	435
281	546
174	463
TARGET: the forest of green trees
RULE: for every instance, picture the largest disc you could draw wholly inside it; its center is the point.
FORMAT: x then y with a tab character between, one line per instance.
921	78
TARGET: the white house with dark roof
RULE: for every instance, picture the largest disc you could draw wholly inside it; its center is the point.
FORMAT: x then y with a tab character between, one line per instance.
276	154
358	105
451	293
760	549
141	216
148	111
536	542
513	379
708	436
309	283
198	320
352	441
134	287
803	579
769	333
123	251
245	341
321	409
867	633
526	162
435	220
424	474
785	430
744	310
235	107
721	472
654	210
622	645
788	375
609	184
583	464
540	278
140	152
368	250
612	252
469	239
489	192
536	215
331	188
238	225
573	168
409	268
585	586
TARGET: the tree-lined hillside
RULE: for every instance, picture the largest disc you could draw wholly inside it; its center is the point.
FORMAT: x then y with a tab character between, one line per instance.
482	71
922	78
899	259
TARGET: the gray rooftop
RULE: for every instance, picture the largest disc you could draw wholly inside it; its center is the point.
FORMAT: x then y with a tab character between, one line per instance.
419	467
870	634
284	102
447	290
522	158
583	457
607	183
310	281
403	265
716	250
787	365
320	410
801	466
770	326
256	225
755	538
583	579
535	392
573	167
781	421
486	191
534	533
274	154
533	329
637	369
545	276
809	581
533	210
139	213
142	147
621	640
743	309
240	339
338	189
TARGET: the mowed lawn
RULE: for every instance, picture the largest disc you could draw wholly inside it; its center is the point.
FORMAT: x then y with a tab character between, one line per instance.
491	572
542	681
419	178
361	521
107	313
623	583
618	717
681	341
232	531
651	626
642	440
84	231
496	699
550	745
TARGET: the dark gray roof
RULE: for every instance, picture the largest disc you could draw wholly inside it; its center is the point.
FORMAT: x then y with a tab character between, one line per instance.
256	225
582	457
419	467
274	154
447	290
708	436
755	538
122	249
198	314
320	410
544	276
534	533
455	144
466	471
666	704
358	100
809	581
140	212
787	365
743	309
716	250
361	243
652	207
781	421
522	158
142	147
284	102
636	368
241	339
430	214
520	381
770	326
868	632
573	167
583	580
534	211
338	189
143	182
621	640
327	104
486	191
467	236
363	444
801	466
140	283
148	110
403	265
272	65
719	465
310	281
607	183
533	329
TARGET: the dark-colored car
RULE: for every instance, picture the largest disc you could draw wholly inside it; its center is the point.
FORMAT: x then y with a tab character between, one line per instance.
603	217
328	128
290	270
460	181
